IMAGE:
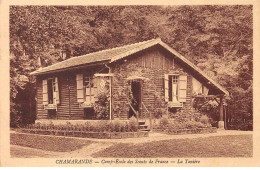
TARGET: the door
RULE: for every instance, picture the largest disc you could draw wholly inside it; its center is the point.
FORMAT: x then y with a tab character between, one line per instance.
135	98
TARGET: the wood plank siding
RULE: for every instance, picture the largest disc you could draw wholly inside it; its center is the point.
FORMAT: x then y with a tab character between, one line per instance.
68	109
152	64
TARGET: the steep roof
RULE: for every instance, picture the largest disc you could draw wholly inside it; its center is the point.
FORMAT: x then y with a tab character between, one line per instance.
114	54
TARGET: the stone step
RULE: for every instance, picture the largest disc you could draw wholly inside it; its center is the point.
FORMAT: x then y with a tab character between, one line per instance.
143	126
141	122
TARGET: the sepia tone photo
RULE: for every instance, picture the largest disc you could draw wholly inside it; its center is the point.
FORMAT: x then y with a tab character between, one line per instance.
131	85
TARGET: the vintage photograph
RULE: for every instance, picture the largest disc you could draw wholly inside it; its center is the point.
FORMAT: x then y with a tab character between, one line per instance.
132	81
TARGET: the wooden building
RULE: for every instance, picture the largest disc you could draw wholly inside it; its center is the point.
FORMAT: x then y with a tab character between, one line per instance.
138	79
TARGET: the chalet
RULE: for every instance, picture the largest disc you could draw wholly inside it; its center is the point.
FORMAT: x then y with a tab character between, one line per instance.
137	79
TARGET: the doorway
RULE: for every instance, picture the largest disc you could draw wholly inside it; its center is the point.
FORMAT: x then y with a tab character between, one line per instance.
135	98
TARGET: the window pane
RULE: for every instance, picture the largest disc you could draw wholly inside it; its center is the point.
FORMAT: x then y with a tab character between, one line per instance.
170	88
88	91
88	99
50	91
175	79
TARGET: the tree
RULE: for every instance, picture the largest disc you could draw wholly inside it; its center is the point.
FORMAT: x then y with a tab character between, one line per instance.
210	36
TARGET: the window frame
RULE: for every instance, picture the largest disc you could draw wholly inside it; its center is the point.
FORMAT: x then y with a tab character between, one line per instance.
91	87
51	105
170	85
52	90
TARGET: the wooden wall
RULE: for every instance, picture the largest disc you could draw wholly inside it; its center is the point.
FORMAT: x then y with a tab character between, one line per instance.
151	64
40	112
68	109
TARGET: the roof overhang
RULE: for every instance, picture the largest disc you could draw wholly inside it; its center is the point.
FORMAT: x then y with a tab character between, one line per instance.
36	73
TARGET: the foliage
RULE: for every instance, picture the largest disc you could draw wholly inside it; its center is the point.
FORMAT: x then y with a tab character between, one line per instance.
93	126
116	125
164	121
176	125
185	119
204	119
210	36
101	106
133	124
103	126
185	114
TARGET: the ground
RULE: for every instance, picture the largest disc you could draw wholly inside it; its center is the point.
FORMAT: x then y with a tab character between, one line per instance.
220	144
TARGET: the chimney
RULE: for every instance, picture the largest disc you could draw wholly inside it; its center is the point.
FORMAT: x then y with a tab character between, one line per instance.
63	55
39	62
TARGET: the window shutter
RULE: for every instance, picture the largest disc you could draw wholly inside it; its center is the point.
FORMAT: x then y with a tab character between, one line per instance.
57	94
182	90
44	92
166	87
95	89
80	93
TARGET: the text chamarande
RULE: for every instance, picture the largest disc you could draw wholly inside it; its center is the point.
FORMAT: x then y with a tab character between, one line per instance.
74	161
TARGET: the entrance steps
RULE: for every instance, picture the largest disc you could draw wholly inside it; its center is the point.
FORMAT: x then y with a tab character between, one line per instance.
142	126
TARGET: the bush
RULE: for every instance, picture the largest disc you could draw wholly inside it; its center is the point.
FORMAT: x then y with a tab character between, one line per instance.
158	113
101	106
204	119
192	124
133	124
241	125
127	127
95	126
115	125
87	126
164	122
103	126
176	125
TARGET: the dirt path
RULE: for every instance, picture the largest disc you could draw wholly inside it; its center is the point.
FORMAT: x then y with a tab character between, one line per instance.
153	136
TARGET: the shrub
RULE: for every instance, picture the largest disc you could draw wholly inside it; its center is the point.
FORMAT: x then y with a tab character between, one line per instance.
204	119
164	122
103	126
158	113
124	126
176	125
94	126
38	125
68	126
87	126
51	125
127	128
133	124
192	124
116	125
101	106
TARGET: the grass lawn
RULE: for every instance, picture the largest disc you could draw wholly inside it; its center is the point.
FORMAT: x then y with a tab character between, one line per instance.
49	143
27	153
217	146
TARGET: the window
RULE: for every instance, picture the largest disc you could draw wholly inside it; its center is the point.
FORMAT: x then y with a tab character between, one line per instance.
89	89
50	93
175	89
51	89
86	90
173	84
